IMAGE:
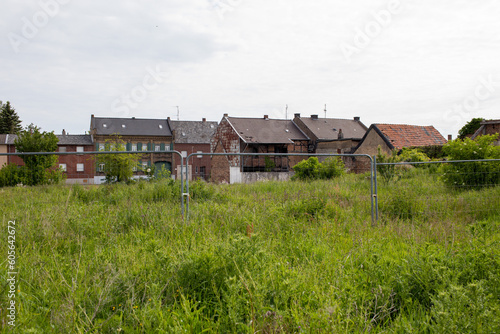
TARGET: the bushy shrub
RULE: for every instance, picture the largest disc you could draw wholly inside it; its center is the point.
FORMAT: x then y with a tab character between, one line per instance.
472	174
312	169
389	172
11	175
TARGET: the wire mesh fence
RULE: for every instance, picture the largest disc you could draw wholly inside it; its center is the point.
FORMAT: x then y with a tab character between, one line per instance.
439	191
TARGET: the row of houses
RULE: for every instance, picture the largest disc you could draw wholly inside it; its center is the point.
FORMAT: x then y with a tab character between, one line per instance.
306	135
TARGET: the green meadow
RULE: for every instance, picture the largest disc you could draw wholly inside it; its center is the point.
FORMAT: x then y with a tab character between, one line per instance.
289	257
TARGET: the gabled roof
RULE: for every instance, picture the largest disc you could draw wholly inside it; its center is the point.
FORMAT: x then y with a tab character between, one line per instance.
193	132
266	130
328	128
63	139
398	136
75	140
483	125
130	126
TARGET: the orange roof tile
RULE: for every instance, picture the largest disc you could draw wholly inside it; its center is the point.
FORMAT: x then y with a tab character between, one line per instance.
403	135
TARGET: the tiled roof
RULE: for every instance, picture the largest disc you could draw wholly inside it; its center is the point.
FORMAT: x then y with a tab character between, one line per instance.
403	135
75	140
266	131
63	139
328	128
193	132
130	126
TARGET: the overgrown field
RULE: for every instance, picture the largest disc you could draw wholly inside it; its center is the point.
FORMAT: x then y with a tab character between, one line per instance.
291	257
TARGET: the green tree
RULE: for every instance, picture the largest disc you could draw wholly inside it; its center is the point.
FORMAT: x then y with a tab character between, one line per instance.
472	174
38	169
312	169
117	167
470	128
9	120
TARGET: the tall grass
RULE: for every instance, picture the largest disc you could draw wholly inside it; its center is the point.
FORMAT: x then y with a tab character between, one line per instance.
290	257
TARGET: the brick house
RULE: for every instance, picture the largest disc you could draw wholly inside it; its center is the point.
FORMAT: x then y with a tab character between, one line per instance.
193	137
395	136
332	135
3	149
139	135
255	135
77	168
490	127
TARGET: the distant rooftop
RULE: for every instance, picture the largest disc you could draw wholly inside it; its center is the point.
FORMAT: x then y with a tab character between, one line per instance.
266	130
193	132
403	135
130	126
328	128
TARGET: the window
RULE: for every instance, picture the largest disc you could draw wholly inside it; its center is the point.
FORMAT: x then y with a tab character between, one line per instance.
62	148
199	156
144	165
101	147
79	167
63	167
79	149
184	154
134	147
157	147
101	167
196	169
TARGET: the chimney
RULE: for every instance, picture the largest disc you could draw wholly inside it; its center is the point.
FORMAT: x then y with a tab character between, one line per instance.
450	137
266	117
357	118
204	120
341	134
64	132
297	115
226	115
314	117
168	118
133	117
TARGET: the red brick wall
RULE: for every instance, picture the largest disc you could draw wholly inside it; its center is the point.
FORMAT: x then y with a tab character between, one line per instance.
195	162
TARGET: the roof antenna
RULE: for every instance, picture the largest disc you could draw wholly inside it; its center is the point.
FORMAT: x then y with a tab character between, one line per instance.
325	110
286	117
178	112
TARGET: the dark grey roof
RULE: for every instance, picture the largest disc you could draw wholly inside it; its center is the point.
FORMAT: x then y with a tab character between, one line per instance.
75	140
193	132
328	128
266	131
63	139
130	126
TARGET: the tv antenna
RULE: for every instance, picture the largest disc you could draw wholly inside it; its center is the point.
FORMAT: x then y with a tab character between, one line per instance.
325	110
178	112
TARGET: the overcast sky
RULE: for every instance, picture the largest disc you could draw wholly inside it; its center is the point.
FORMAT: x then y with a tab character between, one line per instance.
387	61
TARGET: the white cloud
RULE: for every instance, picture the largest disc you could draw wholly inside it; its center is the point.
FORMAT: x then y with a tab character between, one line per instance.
255	59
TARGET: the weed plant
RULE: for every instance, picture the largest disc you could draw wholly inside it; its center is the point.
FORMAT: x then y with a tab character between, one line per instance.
289	257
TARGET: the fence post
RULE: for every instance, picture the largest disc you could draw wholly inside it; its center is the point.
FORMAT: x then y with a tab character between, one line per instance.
376	186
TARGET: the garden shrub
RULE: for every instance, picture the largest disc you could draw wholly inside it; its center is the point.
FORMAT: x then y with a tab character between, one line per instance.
11	175
472	174
312	169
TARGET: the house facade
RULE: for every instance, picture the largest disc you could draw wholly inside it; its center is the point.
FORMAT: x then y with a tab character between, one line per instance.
490	127
332	135
255	135
138	135
193	137
78	168
395	136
